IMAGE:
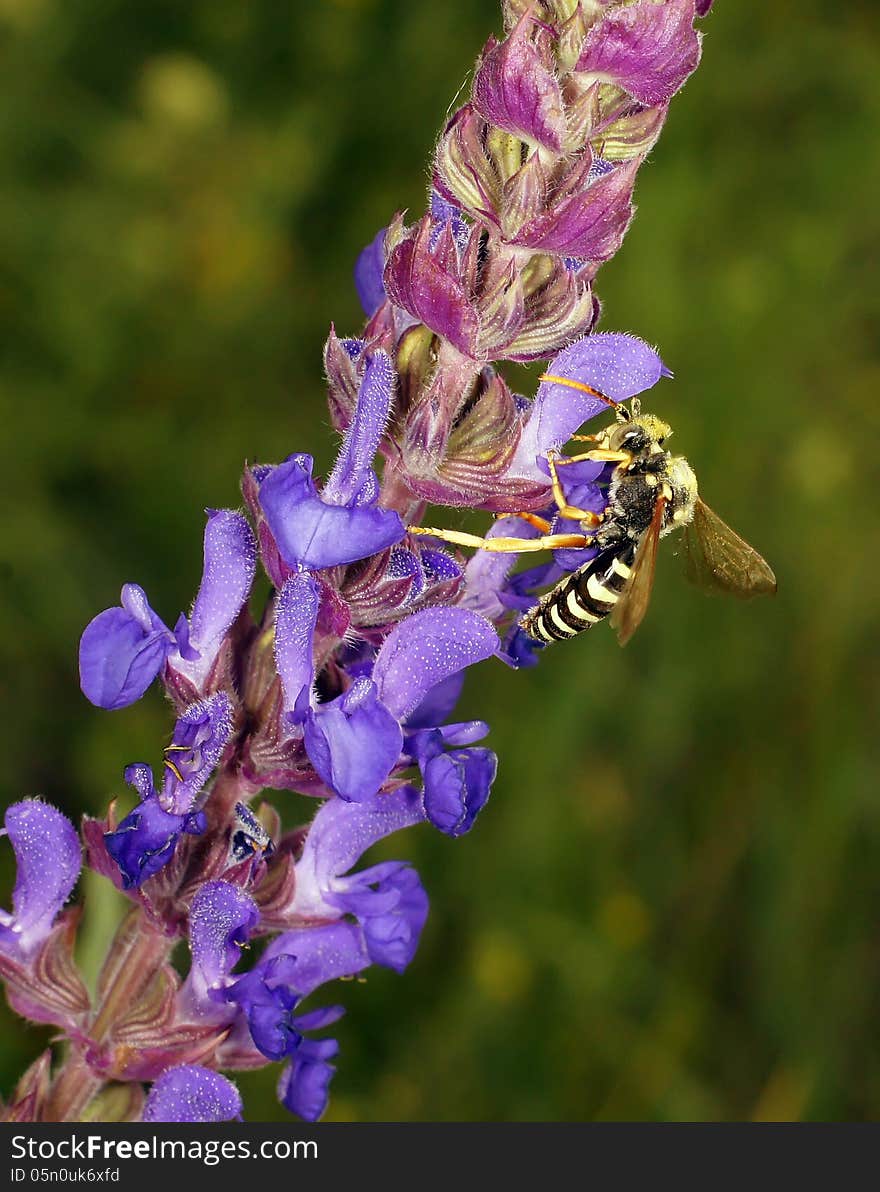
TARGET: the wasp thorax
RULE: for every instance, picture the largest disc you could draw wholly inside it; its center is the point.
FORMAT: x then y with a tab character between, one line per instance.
683	483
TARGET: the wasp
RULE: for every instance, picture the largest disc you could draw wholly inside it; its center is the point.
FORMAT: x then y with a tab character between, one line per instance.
651	493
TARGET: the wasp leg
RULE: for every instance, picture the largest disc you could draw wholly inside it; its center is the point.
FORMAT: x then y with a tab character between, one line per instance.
507	546
540	523
599	455
565	510
572	384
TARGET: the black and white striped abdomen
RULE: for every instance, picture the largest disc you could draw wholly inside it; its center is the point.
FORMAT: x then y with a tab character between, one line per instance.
583	598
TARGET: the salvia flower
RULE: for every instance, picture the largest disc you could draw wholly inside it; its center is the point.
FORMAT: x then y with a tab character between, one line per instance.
123	649
355	740
342	523
387	900
145	840
344	686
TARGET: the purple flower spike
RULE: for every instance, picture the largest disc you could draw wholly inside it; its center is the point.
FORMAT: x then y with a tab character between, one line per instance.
648	49
618	365
230	555
516	91
354	741
368	274
192	1094
343	523
200	735
427	648
146	839
122	651
48	860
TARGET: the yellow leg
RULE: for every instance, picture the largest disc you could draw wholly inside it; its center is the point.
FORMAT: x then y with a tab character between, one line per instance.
507	546
566	510
598	455
540	523
609	401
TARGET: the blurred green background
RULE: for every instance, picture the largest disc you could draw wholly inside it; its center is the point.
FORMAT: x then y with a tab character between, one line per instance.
671	907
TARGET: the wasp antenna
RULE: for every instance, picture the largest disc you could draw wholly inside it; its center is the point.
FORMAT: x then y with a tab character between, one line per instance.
584	388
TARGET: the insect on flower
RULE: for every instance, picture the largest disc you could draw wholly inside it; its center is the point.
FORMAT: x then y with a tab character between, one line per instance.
650	493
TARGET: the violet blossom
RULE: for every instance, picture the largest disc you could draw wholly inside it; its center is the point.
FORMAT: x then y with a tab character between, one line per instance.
343	686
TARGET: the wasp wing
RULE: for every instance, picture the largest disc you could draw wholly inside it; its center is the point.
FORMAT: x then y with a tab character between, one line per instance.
718	560
633	604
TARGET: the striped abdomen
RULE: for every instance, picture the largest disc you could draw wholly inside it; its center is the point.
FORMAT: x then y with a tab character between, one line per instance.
583	598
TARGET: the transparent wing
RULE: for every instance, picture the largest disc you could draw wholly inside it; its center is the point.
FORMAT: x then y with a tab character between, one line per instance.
718	560
633	604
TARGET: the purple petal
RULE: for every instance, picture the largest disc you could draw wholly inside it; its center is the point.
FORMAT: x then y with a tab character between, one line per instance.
222	918
514	90
48	860
353	481
146	839
303	1087
316	1020
521	650
442	213
465	732
457	786
192	1094
230	556
424	650
620	366
296	615
200	736
341	833
312	534
122	650
438	704
321	954
368	271
391	906
140	777
353	742
648	49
